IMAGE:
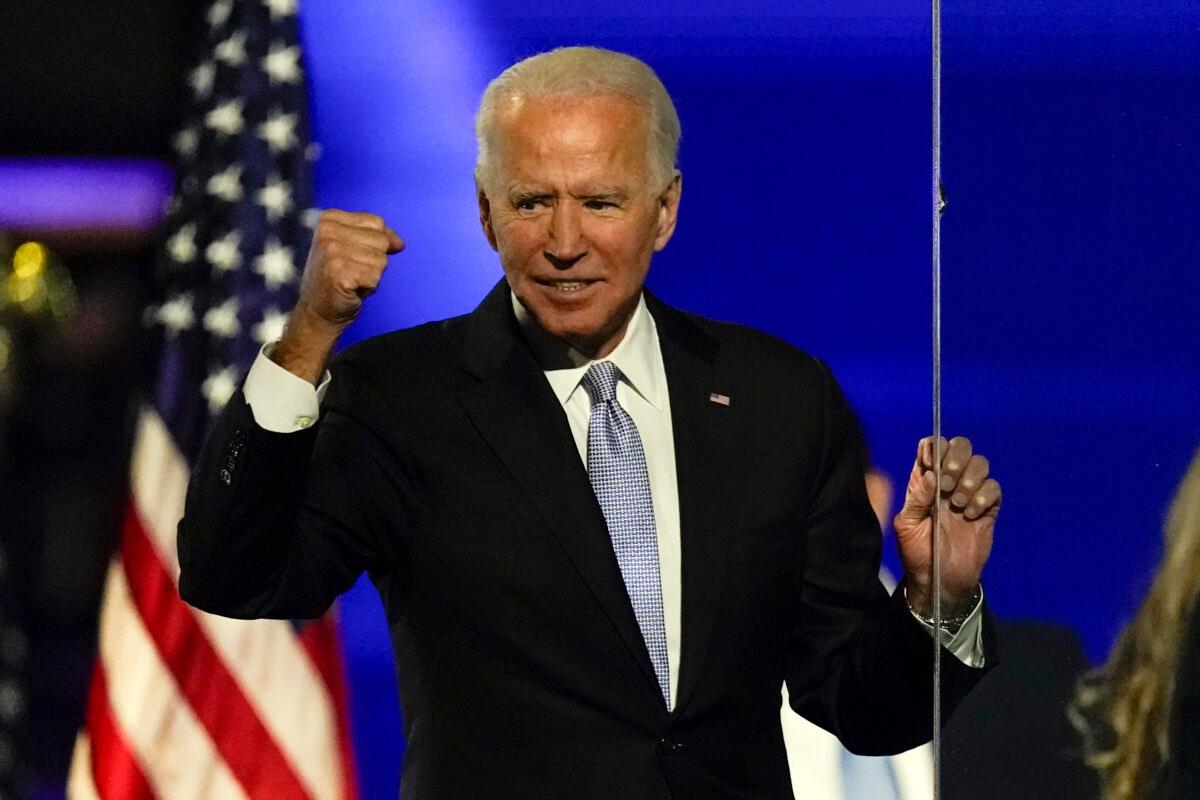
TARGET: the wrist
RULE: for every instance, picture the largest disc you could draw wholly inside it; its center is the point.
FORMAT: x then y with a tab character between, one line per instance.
306	344
954	612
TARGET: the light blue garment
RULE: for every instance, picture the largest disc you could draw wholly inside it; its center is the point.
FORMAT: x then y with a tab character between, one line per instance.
868	778
616	466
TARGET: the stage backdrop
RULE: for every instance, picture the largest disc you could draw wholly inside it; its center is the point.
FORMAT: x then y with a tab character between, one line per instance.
1071	246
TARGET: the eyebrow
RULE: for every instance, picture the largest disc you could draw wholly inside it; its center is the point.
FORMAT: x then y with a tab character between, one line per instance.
519	191
603	192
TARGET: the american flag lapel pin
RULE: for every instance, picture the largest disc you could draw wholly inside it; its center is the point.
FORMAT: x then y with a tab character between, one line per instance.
719	399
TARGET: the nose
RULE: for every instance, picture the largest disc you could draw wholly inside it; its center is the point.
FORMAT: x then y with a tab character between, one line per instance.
566	243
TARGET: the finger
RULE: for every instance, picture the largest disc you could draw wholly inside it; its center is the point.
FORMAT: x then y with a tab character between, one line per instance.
359	279
338	252
394	243
958	454
918	498
986	500
336	234
357	219
925	451
972	478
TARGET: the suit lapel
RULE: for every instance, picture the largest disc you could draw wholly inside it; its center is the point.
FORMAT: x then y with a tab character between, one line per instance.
514	409
704	452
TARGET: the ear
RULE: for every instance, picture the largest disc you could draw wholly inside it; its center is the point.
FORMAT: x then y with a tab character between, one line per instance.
485	215
668	211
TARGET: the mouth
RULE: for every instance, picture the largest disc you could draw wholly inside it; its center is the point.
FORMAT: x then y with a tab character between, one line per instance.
566	286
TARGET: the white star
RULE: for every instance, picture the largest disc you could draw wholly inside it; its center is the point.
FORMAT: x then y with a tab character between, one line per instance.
275	197
313	152
279	131
281	8
309	217
219	13
186	141
182	245
224	253
233	50
222	320
227	185
202	78
218	387
282	64
271	327
226	118
275	265
176	314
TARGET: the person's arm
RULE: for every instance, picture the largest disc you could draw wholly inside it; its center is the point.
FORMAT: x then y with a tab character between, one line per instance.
288	503
861	665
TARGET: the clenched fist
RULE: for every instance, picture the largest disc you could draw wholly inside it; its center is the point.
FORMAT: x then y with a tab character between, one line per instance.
345	263
968	502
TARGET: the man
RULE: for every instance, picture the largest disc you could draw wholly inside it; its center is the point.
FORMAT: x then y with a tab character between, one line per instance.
605	531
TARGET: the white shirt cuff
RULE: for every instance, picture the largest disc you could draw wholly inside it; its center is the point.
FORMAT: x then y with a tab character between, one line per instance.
280	401
967	644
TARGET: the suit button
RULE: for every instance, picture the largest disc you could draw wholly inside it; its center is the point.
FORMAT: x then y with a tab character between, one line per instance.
669	745
226	477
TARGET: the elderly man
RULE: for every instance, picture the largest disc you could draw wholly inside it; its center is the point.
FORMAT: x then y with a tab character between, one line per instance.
605	531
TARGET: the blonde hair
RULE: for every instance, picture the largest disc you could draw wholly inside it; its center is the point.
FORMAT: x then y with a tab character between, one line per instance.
581	72
1123	708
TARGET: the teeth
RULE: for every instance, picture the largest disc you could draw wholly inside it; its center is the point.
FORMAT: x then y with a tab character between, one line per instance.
568	286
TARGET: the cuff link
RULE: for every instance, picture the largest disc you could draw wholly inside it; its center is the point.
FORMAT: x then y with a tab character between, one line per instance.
304	422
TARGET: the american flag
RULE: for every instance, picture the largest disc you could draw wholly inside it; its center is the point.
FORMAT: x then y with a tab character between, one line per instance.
185	705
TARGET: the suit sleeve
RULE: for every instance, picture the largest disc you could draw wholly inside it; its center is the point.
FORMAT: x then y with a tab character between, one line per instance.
860	665
279	524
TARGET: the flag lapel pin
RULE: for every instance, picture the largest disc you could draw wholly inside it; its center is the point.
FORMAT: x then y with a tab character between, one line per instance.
719	399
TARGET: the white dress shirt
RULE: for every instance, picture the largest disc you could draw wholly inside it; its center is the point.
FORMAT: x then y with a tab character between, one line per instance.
283	403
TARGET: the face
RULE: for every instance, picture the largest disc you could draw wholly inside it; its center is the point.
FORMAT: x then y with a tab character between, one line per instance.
572	210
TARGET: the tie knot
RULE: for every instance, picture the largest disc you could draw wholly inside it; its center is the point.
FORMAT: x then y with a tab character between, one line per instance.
601	381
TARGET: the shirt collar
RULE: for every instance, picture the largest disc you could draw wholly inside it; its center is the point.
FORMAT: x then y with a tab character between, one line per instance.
637	356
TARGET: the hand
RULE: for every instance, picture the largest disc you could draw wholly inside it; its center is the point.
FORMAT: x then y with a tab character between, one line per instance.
968	503
345	263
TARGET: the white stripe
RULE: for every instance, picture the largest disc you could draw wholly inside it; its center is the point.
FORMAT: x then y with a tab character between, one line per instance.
264	656
171	745
80	785
159	477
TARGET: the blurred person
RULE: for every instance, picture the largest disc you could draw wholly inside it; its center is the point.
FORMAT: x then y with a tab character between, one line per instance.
1140	711
605	531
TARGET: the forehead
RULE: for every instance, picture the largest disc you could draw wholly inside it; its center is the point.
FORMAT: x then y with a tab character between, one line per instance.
559	132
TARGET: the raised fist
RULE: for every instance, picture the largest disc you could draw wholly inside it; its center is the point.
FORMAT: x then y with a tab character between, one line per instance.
348	256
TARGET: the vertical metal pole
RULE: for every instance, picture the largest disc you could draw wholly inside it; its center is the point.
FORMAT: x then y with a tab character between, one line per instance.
935	537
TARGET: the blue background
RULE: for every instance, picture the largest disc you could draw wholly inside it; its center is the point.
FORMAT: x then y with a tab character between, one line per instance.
1070	245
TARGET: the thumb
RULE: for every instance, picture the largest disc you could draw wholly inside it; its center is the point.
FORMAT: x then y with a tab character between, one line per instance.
919	496
395	243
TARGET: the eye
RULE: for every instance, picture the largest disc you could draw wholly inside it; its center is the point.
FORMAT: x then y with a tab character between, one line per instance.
529	203
600	205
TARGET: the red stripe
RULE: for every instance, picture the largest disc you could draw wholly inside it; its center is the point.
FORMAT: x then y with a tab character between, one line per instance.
245	745
320	641
115	770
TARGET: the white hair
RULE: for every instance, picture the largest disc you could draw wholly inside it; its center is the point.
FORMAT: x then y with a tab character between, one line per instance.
581	72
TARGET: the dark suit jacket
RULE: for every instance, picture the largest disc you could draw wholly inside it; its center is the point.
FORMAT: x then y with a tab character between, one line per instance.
444	465
1011	739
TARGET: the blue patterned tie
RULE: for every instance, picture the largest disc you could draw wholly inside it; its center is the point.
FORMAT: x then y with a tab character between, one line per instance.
616	466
